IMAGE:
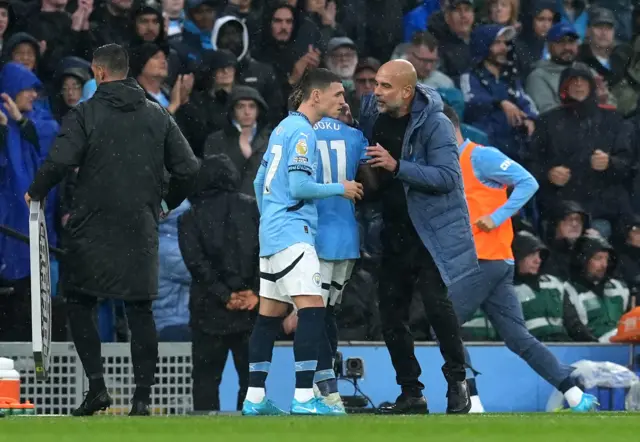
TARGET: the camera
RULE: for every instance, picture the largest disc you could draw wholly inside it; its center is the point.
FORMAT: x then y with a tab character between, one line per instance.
354	368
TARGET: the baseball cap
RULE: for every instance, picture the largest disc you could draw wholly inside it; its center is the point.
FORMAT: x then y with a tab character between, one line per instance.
338	42
367	63
452	4
561	30
192	4
601	16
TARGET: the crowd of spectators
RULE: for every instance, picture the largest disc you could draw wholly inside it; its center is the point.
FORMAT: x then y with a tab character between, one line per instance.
554	84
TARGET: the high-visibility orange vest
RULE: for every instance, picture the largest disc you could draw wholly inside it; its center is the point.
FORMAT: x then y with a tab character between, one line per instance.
484	200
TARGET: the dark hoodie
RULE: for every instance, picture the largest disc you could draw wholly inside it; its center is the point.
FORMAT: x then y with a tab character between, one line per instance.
283	55
530	47
20	37
629	265
55	29
557	263
206	111
227	140
251	72
68	67
455	53
12	21
108	28
176	67
600	303
218	238
568	136
122	144
544	297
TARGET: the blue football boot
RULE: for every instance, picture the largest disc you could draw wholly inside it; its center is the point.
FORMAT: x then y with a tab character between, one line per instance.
264	408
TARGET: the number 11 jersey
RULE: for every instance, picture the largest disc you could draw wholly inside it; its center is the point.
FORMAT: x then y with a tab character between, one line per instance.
341	148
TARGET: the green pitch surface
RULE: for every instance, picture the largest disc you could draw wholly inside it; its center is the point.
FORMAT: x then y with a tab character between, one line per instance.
560	427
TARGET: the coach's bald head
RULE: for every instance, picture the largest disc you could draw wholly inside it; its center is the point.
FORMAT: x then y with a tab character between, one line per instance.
396	87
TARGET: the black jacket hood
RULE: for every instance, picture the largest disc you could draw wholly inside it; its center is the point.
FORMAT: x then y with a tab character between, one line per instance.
585	247
15	40
217	173
525	243
125	95
144	9
576	70
560	212
247	93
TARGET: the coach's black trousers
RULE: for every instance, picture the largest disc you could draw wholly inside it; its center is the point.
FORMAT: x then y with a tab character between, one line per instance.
209	356
81	311
408	266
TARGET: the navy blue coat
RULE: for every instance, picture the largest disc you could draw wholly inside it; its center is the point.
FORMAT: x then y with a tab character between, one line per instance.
430	171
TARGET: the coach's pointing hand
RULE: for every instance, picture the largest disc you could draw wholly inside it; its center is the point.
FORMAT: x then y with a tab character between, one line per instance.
381	158
352	190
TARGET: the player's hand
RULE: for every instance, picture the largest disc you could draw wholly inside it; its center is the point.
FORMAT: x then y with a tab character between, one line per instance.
248	300
559	175
290	323
11	108
352	190
599	161
380	157
27	199
234	303
485	223
3	119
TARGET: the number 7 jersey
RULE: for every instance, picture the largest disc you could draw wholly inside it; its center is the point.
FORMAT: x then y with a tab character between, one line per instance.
341	148
285	221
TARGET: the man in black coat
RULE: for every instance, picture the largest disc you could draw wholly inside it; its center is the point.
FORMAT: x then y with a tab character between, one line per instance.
121	143
218	240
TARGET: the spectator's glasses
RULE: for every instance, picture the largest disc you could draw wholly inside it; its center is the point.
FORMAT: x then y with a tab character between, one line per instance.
425	60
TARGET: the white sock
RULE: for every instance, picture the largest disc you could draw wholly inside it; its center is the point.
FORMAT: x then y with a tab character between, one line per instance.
303	394
255	394
573	396
476	405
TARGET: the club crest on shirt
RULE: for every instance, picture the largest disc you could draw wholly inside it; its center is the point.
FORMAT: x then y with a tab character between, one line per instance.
316	279
301	147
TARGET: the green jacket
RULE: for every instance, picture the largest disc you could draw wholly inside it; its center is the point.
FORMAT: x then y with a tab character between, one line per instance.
601	313
543	308
478	328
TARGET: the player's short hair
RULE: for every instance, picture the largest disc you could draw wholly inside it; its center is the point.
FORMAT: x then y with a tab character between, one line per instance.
452	115
319	78
113	58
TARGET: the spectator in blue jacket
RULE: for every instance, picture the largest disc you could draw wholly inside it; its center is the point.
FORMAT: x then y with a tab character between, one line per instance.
171	308
25	139
416	19
575	13
495	101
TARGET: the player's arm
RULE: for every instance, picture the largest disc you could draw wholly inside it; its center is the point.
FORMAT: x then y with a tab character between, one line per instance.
67	152
489	164
181	163
258	183
441	173
365	174
302	179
